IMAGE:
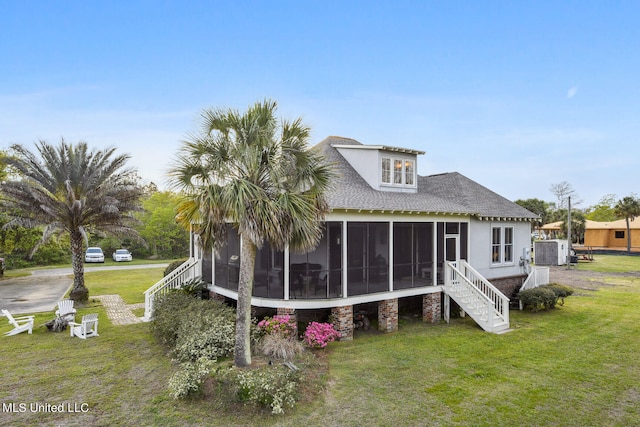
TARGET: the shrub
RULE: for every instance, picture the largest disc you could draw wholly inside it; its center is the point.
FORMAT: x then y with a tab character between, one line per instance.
540	298
169	310
270	386
208	335
193	287
278	347
178	318
188	380
318	335
561	291
173	265
282	325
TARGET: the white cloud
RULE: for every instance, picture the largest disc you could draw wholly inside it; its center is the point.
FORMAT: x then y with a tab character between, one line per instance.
572	92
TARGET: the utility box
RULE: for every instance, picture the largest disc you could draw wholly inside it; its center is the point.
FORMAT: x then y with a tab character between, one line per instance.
550	252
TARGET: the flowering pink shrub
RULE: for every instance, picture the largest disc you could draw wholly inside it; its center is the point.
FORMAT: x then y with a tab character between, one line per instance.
283	326
318	335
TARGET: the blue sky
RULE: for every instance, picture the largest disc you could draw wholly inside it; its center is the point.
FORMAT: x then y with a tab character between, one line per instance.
515	95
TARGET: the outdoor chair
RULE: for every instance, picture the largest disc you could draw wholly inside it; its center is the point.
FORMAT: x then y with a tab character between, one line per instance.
87	328
66	311
20	324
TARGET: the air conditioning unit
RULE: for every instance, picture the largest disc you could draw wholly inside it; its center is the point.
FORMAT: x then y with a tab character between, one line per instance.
550	252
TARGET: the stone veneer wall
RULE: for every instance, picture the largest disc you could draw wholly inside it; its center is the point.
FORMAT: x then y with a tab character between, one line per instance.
343	321
432	307
388	315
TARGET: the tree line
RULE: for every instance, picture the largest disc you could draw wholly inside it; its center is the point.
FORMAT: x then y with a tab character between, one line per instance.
608	209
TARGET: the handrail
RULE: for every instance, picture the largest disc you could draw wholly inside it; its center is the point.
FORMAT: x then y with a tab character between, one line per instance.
539	276
185	272
493	301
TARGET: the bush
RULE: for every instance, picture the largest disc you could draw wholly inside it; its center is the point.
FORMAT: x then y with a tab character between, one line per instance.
270	386
193	287
282	325
279	347
189	379
173	265
318	335
540	298
209	334
561	291
169	311
178	319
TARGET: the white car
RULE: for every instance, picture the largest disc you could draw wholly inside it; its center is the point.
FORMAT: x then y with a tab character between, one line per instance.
122	255
94	255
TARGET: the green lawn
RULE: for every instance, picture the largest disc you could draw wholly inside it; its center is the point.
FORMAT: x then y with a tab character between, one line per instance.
577	365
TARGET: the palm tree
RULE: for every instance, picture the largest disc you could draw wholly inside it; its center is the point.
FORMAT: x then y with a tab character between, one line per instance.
69	189
628	208
258	174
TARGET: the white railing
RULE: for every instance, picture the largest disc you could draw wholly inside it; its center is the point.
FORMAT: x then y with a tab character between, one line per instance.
539	276
188	270
476	295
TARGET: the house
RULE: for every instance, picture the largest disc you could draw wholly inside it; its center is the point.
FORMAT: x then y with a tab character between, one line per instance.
612	235
391	235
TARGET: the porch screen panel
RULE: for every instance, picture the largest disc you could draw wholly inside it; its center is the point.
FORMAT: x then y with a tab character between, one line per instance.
412	255
308	273
367	257
268	273
207	265
440	254
228	261
464	241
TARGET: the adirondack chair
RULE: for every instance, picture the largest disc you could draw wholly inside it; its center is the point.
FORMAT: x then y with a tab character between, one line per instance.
20	324
87	328
66	311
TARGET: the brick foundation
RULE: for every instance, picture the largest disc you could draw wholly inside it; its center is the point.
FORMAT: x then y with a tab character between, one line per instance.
388	315
432	307
509	285
343	321
217	297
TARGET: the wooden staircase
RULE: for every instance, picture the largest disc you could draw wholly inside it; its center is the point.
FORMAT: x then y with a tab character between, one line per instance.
476	296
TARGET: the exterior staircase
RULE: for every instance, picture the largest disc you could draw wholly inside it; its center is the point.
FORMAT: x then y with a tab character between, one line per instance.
189	270
476	296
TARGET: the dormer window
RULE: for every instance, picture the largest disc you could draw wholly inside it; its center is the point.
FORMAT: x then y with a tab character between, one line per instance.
402	170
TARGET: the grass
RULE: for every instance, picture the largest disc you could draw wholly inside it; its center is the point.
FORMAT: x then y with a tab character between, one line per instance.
611	264
576	365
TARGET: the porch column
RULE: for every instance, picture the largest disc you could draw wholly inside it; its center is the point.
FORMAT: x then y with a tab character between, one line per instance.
343	321
388	315
432	307
283	311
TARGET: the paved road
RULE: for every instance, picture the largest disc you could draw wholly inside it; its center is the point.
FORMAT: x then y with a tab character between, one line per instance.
41	291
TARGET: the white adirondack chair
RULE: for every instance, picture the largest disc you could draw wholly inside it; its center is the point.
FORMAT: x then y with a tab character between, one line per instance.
66	311
87	328
20	324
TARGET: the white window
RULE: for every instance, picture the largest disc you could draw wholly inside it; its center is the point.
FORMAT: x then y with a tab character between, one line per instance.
397	171
386	170
501	245
496	245
409	172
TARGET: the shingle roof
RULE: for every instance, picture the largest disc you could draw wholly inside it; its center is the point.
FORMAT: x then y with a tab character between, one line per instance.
448	193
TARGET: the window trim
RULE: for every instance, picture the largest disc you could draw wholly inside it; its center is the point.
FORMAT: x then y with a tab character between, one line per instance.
505	249
388	171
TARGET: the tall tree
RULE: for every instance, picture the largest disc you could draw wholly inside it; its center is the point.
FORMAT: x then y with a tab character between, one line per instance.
71	189
603	211
628	208
563	191
257	173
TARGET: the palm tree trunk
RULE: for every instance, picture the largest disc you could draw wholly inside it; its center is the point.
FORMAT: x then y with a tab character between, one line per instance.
79	292
242	356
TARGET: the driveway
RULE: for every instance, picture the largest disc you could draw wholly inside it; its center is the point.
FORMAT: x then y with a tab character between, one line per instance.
41	291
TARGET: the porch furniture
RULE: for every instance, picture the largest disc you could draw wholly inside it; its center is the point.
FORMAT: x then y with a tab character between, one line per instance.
66	311
20	324
87	328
